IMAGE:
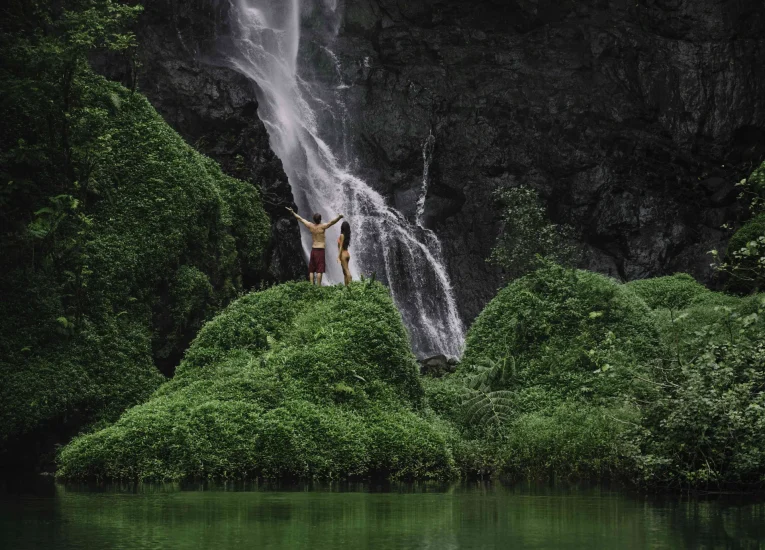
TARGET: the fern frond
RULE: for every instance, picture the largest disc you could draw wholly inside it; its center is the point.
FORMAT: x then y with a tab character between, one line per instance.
488	407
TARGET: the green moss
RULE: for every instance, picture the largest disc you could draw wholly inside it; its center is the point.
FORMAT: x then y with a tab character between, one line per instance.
294	381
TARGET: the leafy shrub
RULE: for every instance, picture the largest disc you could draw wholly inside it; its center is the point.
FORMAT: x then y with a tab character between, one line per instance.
746	256
703	428
293	381
444	396
570	440
744	262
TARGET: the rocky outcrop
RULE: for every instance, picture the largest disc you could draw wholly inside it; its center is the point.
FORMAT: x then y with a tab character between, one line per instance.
633	119
215	109
437	366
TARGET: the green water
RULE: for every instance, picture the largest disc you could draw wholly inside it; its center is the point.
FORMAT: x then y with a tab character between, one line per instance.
478	516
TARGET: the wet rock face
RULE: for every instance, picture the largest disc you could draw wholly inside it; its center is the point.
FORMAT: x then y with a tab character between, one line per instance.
215	109
633	119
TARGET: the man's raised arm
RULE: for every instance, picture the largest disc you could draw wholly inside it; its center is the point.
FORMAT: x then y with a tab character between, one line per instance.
333	222
304	222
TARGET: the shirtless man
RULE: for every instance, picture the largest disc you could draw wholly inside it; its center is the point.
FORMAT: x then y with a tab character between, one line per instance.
316	264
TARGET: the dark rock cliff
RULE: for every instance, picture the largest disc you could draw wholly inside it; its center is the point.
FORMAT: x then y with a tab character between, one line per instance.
634	120
215	109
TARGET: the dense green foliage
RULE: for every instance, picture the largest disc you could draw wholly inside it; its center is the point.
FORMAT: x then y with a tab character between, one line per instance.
118	239
294	381
121	244
705	425
566	373
588	380
673	293
569	373
746	256
577	345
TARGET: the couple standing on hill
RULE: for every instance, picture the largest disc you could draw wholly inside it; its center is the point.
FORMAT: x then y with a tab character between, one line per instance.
316	265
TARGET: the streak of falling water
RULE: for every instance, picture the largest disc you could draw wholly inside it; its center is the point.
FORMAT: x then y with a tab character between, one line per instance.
405	256
427	157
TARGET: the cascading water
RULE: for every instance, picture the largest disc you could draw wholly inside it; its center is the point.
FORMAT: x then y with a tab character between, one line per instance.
405	256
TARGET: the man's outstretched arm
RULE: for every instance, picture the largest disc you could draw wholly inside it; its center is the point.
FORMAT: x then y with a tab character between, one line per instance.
303	221
333	222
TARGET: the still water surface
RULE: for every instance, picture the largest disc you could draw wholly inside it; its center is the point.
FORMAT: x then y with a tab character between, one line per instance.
465	516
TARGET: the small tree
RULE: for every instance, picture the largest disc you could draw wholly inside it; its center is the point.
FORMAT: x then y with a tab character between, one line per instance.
528	238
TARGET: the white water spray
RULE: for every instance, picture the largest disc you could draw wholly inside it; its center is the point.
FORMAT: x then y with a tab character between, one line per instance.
405	256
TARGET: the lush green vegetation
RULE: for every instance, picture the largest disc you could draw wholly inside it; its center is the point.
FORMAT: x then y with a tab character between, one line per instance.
568	373
121	244
118	239
566	352
294	381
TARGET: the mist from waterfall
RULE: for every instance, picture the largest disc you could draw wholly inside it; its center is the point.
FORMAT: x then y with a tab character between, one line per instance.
405	256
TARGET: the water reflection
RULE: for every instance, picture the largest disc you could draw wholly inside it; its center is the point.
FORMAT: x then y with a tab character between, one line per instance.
362	516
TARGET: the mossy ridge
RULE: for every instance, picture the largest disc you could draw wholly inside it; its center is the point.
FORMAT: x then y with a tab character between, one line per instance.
293	381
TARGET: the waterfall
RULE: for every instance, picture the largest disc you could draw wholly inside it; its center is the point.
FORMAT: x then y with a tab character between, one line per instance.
264	46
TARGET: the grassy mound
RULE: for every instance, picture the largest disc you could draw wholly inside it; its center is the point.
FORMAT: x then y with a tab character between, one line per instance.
294	381
571	333
119	242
